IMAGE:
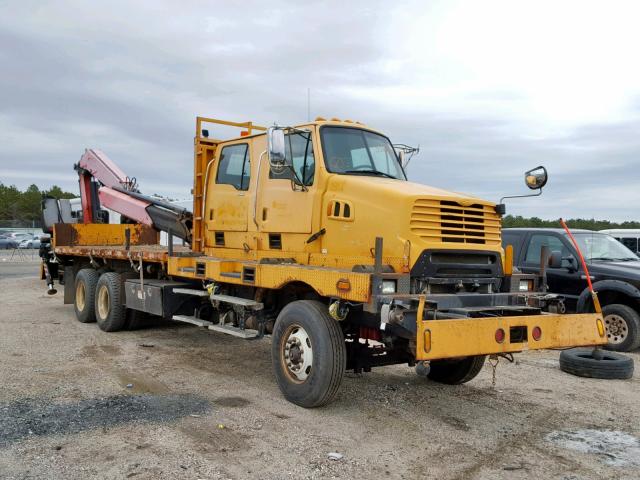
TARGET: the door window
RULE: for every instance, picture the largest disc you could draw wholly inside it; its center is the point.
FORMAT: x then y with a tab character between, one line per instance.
537	241
234	166
299	152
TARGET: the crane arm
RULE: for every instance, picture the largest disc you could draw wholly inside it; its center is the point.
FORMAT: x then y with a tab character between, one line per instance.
102	182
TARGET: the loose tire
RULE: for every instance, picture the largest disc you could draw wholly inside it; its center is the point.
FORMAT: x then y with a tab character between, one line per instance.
607	365
455	372
308	353
85	288
109	308
622	324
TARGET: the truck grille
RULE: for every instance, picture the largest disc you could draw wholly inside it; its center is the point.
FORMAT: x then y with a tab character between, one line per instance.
450	222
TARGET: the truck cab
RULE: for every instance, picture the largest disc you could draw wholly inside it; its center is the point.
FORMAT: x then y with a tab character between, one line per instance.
342	186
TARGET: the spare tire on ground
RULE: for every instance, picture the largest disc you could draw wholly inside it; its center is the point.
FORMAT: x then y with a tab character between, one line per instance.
603	364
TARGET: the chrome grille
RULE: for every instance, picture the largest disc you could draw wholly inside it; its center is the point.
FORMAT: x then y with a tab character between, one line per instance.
448	221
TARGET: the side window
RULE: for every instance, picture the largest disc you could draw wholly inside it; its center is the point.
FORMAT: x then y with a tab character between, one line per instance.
299	151
234	166
630	243
509	239
537	241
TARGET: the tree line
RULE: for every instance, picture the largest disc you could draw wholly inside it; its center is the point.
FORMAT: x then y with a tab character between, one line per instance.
510	221
23	208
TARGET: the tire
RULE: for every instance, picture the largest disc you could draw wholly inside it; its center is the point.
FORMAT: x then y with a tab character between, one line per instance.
455	372
622	324
109	309
85	294
580	362
316	383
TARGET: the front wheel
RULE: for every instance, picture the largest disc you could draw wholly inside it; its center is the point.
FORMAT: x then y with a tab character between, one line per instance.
455	371
308	353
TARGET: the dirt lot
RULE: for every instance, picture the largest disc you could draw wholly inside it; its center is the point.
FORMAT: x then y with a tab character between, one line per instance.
179	402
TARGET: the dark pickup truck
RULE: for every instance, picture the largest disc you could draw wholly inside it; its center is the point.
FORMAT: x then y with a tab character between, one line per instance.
614	270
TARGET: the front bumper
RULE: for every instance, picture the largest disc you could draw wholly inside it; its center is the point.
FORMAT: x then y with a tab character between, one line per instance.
449	338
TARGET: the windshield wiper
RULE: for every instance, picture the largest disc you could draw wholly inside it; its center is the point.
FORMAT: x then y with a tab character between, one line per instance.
375	172
604	259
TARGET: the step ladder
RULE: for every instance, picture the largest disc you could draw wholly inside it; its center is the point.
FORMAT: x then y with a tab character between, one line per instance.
236	302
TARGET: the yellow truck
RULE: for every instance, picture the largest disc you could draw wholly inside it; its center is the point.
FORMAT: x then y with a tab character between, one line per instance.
311	235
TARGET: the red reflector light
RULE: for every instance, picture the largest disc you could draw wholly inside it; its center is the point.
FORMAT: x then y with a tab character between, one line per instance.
500	335
536	333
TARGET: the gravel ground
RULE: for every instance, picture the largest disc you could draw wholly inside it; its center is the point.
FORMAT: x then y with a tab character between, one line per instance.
179	402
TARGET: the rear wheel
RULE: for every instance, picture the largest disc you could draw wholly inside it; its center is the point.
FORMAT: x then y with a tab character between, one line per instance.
455	372
308	353
622	324
84	303
109	308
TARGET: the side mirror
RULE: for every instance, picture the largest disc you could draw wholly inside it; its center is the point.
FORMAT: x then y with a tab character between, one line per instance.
536	178
555	259
276	149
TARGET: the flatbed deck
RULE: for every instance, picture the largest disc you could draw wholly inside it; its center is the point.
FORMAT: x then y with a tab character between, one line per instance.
146	253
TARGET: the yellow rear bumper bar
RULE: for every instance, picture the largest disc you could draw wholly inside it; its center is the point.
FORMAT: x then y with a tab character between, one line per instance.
437	339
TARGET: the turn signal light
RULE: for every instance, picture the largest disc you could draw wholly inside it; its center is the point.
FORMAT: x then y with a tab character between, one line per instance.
600	325
500	335
536	333
343	285
427	341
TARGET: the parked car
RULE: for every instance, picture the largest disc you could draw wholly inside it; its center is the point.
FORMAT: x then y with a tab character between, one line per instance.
30	242
19	236
7	242
614	270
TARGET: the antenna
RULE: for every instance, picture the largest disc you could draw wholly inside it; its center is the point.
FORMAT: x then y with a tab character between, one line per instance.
308	104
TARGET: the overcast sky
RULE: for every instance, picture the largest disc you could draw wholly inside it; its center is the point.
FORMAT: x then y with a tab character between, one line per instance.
487	89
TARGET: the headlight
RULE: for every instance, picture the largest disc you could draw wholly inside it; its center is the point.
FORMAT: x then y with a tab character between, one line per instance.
526	285
388	286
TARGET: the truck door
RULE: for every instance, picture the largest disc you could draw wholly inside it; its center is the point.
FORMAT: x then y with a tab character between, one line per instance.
227	198
283	205
563	280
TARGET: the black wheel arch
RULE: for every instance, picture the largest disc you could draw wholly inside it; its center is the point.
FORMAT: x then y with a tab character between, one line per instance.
610	291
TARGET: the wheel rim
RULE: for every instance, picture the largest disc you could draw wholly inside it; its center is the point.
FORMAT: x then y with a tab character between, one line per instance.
103	302
80	296
296	353
616	327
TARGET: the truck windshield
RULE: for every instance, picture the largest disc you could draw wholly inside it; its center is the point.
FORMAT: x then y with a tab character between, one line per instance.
353	151
597	246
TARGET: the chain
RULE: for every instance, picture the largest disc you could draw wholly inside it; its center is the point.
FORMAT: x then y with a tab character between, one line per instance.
493	361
